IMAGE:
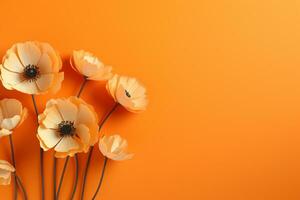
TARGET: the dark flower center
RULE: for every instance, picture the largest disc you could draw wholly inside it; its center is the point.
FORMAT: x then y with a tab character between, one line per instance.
127	94
66	128
31	72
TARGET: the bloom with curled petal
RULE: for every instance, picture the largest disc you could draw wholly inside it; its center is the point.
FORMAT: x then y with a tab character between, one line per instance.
68	126
90	66
114	147
31	68
5	172
128	92
12	114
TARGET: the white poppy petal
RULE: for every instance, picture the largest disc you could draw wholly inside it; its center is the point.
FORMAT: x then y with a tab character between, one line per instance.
49	137
10	123
66	144
10	107
67	109
45	64
28	87
29	53
11	78
13	63
44	81
83	133
52	118
4	132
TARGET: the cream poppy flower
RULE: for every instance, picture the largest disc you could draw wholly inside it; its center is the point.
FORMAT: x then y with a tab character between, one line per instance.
5	172
12	114
90	66
68	126
114	147
32	68
128	92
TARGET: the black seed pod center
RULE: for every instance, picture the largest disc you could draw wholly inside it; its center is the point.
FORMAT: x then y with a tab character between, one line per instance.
66	128
127	94
31	72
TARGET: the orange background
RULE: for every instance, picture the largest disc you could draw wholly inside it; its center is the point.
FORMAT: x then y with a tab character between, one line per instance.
223	79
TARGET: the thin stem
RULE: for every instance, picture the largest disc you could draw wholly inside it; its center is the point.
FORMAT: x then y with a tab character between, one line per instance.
22	187
42	172
54	177
62	177
91	150
14	164
101	178
35	106
86	171
108	115
41	152
56	195
82	86
76	177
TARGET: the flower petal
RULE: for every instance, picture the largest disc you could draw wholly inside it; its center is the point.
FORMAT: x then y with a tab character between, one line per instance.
44	81
6	166
4	132
57	80
11	78
83	133
67	109
49	137
28	87
45	64
13	63
10	123
29	53
66	144
10	107
52	118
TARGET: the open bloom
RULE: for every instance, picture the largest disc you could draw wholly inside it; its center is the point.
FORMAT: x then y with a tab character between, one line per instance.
31	68
90	66
68	125
114	147
5	172
128	92
12	114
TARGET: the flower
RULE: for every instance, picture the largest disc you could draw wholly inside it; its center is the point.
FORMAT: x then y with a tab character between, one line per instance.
31	68
12	114
128	92
90	66
68	125
114	147
5	172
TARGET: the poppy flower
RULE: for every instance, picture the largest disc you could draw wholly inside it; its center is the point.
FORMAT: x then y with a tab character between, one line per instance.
32	68
68	126
128	92
12	114
114	147
90	66
5	172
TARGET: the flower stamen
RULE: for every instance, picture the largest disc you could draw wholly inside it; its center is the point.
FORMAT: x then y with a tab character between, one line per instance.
127	94
31	72
66	128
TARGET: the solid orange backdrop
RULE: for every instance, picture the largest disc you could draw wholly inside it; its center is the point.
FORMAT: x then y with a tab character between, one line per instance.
223	79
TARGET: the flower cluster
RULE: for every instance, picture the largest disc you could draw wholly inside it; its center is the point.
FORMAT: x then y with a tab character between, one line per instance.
67	125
